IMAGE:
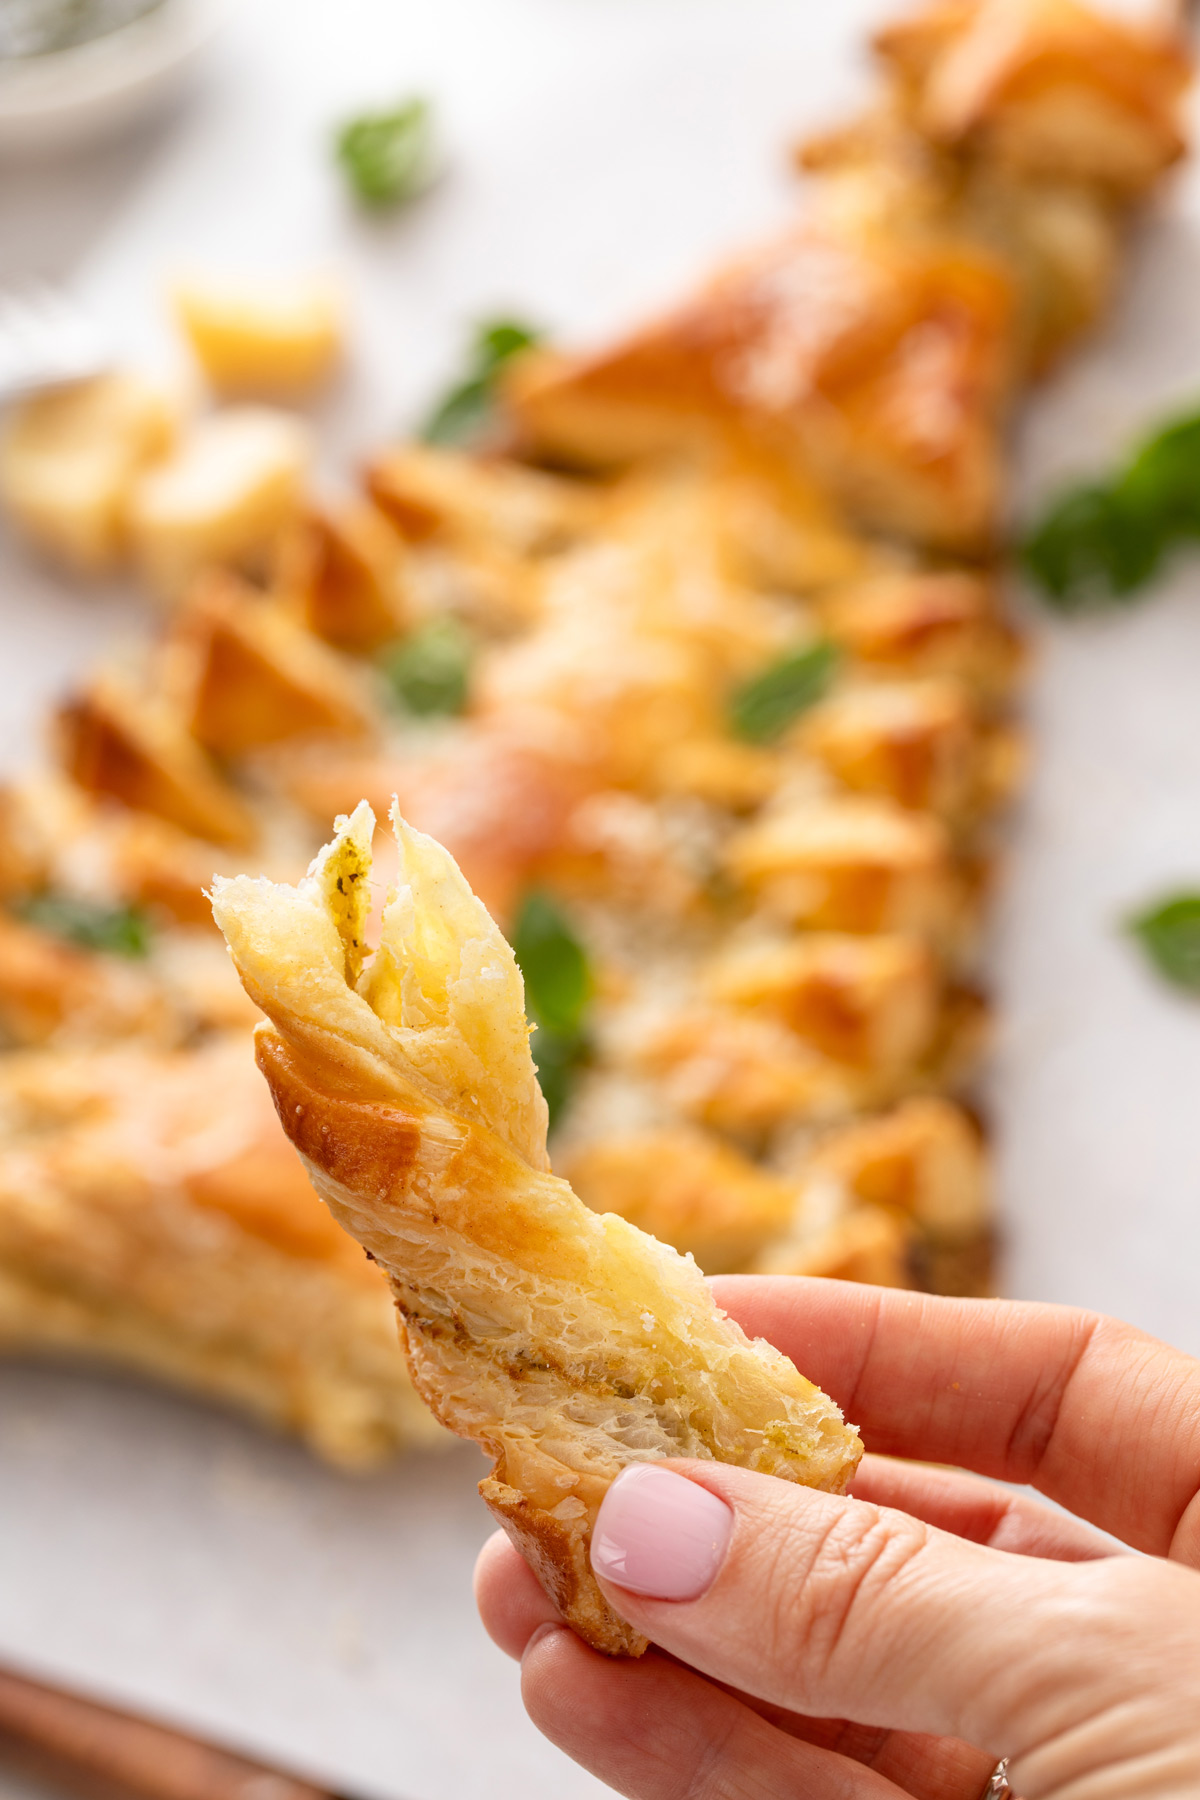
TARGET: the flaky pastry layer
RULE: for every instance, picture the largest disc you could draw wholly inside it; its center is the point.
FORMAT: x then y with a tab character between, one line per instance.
567	1343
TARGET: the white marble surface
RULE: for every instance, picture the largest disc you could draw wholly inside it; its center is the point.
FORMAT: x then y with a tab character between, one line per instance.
159	1553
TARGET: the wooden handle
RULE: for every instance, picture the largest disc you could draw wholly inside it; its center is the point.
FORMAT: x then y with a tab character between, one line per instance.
91	1751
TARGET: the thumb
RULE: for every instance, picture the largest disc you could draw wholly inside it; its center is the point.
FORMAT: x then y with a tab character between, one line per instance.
838	1608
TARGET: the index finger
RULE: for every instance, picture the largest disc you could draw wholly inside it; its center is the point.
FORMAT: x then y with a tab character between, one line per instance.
1098	1416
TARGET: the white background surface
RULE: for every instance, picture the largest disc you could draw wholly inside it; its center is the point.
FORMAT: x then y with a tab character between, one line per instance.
600	151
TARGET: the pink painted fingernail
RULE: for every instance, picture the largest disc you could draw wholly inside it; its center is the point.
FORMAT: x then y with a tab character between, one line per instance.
659	1534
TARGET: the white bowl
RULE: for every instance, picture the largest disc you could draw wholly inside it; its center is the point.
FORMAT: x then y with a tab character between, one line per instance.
68	97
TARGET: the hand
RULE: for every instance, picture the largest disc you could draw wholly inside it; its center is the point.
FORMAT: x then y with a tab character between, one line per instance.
903	1640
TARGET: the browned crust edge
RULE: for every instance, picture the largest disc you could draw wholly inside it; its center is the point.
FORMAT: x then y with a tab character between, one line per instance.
557	1553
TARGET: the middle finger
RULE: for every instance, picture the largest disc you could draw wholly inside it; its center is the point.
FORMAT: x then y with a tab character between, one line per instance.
513	1606
654	1730
985	1512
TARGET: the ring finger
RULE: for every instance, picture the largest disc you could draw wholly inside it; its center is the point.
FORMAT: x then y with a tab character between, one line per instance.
985	1512
514	1607
654	1730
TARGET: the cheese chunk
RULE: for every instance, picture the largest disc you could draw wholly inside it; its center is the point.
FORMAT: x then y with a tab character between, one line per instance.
224	496
70	458
279	336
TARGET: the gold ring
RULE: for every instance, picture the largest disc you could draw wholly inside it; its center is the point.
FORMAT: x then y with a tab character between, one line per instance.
998	1788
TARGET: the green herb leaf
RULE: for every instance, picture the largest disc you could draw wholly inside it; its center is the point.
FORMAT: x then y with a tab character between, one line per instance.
119	930
387	157
762	708
558	982
464	413
462	417
497	340
1169	933
1106	540
557	1056
430	671
1092	544
558	988
1162	481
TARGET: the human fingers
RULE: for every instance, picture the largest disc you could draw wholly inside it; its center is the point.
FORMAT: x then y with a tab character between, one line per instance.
982	1511
514	1607
1095	1414
834	1607
928	1768
512	1601
654	1730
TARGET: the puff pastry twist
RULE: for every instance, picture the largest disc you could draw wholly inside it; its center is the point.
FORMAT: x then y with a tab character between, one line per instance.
567	1343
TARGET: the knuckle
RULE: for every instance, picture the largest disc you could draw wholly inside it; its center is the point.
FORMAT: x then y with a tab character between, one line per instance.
1036	1424
828	1592
1185	1541
726	1769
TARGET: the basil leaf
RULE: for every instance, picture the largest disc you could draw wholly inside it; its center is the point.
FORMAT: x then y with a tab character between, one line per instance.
763	707
1162	482
1169	933
557	1056
1108	539
430	671
558	988
463	415
387	157
558	981
496	341
1094	542
118	930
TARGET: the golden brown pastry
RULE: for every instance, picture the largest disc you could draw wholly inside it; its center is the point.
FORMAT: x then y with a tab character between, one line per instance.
736	777
687	1189
778	529
116	740
479	530
566	1342
942	622
499	800
925	1159
431	493
914	742
859	1243
878	366
870	1001
849	865
154	1216
693	1191
775	927
1026	128
54	836
743	1072
900	1200
619	693
344	570
53	990
961	235
247	673
1050	87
